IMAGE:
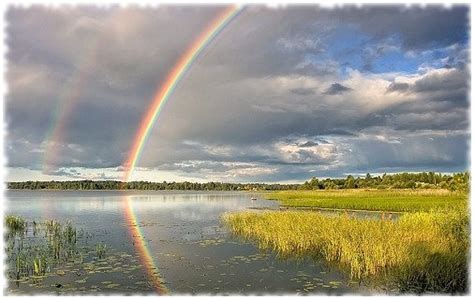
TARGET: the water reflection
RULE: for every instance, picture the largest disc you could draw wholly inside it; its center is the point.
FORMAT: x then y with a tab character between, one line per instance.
183	234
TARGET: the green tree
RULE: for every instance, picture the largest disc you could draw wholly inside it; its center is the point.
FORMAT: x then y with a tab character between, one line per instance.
350	182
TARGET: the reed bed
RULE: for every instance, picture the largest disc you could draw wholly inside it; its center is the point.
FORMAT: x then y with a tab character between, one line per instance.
421	252
374	200
33	248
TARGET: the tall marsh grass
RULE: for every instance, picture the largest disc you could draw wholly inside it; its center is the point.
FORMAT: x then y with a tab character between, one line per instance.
420	252
34	248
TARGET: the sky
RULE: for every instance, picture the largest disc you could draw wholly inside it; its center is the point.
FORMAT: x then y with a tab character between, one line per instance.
280	95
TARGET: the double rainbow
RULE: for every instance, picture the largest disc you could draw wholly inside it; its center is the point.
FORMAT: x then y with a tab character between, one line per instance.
164	92
72	92
162	95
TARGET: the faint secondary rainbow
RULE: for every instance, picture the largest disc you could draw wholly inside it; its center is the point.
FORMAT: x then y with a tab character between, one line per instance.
70	94
139	241
163	93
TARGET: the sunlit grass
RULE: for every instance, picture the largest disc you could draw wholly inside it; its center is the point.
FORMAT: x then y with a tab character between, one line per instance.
378	200
423	251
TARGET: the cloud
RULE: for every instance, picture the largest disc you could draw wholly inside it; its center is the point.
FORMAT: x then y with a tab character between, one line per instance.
412	25
301	44
336	89
259	103
398	87
442	79
302	91
418	151
308	144
69	172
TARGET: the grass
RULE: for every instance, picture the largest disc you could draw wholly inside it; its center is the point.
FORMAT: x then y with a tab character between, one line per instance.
425	250
421	252
375	200
100	249
15	224
33	249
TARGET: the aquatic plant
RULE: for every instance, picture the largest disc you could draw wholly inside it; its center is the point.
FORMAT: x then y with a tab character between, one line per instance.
15	224
35	228
36	251
420	252
70	234
100	250
39	265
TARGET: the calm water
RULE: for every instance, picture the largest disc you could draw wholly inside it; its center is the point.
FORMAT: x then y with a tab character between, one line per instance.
193	252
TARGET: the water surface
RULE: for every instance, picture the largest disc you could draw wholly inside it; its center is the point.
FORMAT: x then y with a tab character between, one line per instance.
192	250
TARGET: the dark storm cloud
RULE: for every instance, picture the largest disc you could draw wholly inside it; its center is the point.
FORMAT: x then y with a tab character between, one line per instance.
440	102
451	80
251	106
336	89
417	28
88	61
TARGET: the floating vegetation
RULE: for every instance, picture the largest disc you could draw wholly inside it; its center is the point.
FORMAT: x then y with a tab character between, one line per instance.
210	242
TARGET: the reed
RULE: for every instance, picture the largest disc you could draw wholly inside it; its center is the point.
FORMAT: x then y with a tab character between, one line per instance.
15	224
32	253
420	252
39	265
100	249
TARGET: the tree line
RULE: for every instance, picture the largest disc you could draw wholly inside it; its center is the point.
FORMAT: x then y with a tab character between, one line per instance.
424	180
144	185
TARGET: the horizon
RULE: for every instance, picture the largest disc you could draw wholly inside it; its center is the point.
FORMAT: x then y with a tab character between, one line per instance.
356	176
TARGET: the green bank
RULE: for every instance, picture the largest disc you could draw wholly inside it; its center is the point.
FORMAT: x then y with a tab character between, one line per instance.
374	200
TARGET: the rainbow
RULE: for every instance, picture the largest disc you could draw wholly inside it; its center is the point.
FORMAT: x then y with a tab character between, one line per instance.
164	92
69	95
139	240
161	96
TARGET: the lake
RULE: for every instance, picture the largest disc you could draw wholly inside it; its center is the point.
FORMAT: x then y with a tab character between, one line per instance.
166	242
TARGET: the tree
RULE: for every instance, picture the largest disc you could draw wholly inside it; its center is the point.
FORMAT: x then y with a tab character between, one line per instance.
350	182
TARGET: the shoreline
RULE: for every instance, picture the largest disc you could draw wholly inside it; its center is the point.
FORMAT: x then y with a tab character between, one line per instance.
309	208
127	190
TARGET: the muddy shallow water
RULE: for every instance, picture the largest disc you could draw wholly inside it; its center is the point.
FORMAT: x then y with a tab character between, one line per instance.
181	232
